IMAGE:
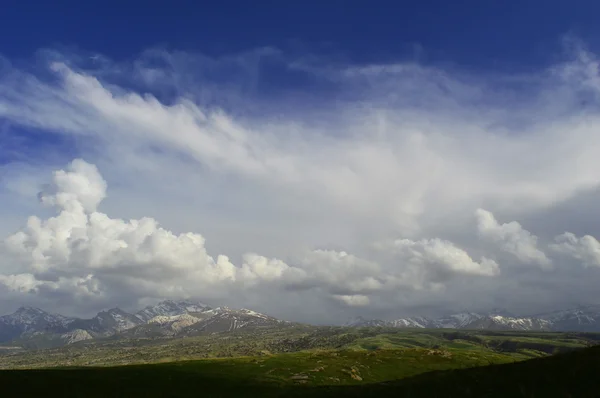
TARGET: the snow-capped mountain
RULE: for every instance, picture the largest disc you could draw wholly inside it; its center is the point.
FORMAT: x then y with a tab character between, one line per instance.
210	320
498	322
30	319
174	323
162	326
415	322
580	319
107	323
170	308
35	328
491	321
457	321
75	336
225	319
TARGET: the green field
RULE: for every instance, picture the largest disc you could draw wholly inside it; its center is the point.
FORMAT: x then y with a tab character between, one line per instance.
305	361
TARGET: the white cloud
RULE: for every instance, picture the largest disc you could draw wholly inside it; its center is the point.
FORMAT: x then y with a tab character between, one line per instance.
21	283
435	261
585	249
81	185
399	150
86	254
80	244
512	238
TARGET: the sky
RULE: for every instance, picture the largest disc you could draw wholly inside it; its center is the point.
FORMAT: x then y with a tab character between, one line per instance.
312	161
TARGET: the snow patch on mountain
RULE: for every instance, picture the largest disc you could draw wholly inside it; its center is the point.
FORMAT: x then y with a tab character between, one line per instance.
76	335
28	318
465	320
117	320
457	321
170	308
174	323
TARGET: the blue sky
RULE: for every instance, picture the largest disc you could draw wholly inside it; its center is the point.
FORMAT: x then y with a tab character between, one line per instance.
471	33
313	160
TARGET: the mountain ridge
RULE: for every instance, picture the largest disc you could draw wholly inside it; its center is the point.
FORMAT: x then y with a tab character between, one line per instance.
35	328
579	319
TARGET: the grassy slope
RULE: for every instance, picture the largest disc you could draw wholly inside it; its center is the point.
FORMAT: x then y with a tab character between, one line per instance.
423	375
573	375
313	361
293	339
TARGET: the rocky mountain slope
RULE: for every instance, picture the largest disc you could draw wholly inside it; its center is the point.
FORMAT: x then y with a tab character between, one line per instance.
107	323
34	328
224	319
170	308
581	319
30	320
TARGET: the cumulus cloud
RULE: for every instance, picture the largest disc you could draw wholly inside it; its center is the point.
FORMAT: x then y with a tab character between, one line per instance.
400	153
80	185
84	254
23	283
585	249
86	248
512	238
433	261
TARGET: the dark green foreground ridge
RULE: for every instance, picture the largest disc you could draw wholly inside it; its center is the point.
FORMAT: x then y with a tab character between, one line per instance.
380	372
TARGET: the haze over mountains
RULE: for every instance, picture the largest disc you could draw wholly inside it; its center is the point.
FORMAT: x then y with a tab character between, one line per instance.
35	328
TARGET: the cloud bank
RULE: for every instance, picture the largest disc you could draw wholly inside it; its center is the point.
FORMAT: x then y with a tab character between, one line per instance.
86	255
366	189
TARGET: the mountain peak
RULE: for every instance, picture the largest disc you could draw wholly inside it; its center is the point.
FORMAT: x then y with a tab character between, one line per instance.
26	318
170	308
110	312
29	310
502	312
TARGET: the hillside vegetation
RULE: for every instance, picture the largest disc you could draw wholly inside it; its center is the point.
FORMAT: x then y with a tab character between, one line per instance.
293	338
414	372
312	361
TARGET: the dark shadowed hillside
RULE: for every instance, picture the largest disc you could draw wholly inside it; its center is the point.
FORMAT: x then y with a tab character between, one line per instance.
566	375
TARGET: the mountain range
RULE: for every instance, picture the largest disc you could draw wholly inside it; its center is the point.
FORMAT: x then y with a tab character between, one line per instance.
30	327
580	319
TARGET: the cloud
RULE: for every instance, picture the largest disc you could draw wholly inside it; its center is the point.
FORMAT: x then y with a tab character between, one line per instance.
99	254
84	254
20	283
356	300
351	168
585	249
81	185
512	238
434	261
332	157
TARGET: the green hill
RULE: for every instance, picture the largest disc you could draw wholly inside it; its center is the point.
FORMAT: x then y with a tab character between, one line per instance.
412	372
